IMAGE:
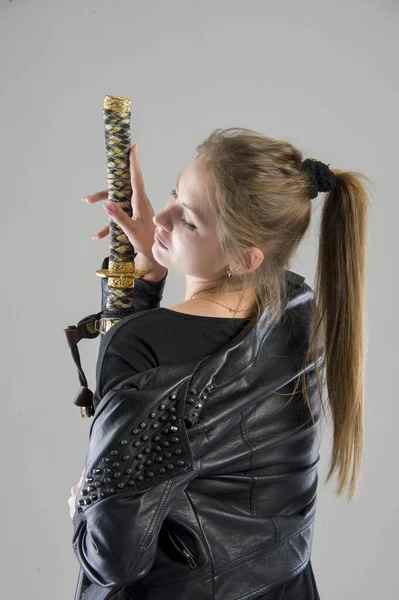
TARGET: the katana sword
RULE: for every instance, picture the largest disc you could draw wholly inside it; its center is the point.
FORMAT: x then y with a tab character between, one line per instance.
118	271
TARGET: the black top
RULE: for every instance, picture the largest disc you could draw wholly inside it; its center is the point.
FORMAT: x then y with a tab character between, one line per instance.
164	336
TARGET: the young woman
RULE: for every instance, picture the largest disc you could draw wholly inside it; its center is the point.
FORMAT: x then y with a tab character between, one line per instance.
232	226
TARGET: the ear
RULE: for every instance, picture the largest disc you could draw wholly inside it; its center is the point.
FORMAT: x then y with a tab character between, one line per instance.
253	258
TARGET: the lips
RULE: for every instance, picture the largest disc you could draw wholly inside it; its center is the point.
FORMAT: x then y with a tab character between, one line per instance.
159	240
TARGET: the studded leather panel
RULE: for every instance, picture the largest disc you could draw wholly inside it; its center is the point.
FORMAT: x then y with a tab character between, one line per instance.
134	446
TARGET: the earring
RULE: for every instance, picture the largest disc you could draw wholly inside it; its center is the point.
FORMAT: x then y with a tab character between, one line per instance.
230	274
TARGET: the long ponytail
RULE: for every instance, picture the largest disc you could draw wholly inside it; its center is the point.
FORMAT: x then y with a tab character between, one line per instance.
339	316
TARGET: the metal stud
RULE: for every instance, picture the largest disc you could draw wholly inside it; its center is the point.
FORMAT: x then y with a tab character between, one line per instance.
159	459
162	470
136	444
140	467
128	471
98	483
84	492
110	490
87	501
126	457
107	479
162	407
89	479
81	502
135	431
152	415
140	478
102	495
79	509
107	470
123	442
144	438
116	464
191	400
130	482
150	474
166	430
180	462
157	438
91	488
174	428
175	439
173	418
194	392
97	471
170	467
142	425
114	452
117	474
139	456
148	462
164	418
121	485
155	425
172	396
178	451
94	496
166	444
147	450
172	409
106	460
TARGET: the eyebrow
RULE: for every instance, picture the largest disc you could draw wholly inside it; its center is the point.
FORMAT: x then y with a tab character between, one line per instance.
183	203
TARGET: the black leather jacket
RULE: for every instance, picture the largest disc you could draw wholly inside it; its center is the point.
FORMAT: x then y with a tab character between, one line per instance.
225	507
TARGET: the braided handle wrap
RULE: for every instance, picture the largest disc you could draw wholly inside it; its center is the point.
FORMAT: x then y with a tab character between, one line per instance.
121	271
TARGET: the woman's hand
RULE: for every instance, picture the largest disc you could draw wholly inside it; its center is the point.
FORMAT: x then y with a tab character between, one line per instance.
74	492
140	228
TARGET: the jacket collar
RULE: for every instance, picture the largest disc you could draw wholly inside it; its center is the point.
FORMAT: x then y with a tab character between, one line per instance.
260	362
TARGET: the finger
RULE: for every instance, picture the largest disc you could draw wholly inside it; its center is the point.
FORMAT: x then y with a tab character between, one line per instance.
136	176
102	233
119	217
92	198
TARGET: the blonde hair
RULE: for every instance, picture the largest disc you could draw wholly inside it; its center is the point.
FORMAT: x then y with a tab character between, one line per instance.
259	195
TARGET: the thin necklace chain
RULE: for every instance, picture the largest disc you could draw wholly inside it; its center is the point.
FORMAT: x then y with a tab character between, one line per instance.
228	308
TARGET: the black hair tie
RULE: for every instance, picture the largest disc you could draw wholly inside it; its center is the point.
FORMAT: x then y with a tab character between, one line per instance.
322	179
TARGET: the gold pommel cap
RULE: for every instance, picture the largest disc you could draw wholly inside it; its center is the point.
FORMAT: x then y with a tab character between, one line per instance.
117	104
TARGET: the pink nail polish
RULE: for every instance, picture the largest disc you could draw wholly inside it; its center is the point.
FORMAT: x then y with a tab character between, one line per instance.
110	207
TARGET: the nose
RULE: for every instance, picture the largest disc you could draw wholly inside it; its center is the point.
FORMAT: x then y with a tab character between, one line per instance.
156	222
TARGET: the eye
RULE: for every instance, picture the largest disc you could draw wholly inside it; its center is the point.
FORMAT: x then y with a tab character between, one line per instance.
183	220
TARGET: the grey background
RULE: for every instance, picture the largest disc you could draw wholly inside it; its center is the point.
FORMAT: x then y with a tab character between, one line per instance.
322	75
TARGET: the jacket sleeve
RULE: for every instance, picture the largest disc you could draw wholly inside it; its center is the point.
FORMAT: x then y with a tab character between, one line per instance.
147	294
139	461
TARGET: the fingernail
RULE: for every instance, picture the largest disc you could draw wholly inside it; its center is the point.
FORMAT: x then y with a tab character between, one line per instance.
83	199
94	237
110	208
137	147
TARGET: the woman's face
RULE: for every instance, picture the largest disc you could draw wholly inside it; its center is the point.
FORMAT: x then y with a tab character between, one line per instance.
188	231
